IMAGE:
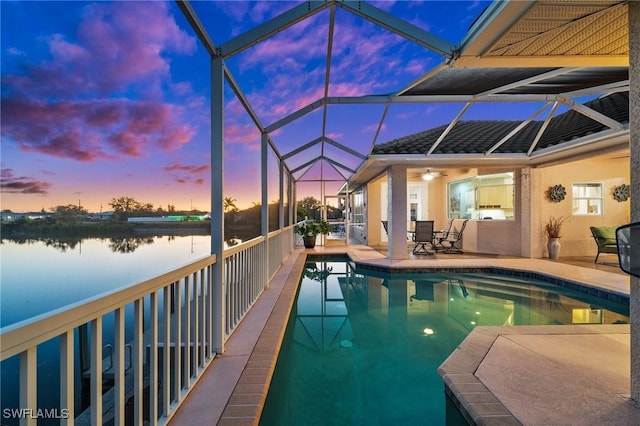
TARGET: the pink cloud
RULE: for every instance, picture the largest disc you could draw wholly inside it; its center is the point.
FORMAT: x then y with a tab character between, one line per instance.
245	134
126	143
73	105
91	130
365	59
190	176
10	183
112	52
256	12
348	89
187	168
374	128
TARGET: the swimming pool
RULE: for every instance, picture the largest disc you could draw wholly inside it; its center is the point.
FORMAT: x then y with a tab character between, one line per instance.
363	347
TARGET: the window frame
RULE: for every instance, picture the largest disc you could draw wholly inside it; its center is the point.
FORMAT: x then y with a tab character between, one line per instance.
575	198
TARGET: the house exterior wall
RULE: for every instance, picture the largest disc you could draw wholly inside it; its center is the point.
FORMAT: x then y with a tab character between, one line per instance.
437	195
374	216
610	170
524	234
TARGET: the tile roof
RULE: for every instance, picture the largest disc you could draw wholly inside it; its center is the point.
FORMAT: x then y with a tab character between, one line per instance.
478	136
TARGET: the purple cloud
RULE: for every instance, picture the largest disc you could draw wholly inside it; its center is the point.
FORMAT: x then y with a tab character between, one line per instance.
187	168
365	59
191	170
10	183
94	129
73	105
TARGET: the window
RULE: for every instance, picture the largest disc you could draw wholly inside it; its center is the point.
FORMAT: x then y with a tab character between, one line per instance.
587	198
482	197
357	207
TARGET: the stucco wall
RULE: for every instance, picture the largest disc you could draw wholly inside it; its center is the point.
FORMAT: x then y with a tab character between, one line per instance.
610	170
437	195
524	235
373	212
533	208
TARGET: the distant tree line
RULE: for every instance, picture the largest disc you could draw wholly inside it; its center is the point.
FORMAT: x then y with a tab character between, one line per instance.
125	207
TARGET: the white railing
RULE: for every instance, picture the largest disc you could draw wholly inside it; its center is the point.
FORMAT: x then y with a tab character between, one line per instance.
163	339
245	278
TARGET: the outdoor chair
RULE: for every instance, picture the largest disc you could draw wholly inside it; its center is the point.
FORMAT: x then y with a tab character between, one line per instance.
440	235
625	246
605	238
453	238
423	236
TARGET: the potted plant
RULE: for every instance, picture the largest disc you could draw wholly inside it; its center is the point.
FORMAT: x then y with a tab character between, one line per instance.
309	229
552	230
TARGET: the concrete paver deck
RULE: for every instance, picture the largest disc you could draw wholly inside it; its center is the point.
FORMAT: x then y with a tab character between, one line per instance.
543	375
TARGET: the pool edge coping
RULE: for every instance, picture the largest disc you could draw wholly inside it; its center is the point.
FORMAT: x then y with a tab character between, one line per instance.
267	348
458	371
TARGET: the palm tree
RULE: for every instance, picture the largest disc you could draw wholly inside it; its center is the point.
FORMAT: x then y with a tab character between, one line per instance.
229	203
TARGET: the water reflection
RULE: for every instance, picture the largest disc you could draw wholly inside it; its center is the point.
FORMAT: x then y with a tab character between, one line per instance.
129	245
376	340
121	245
69	270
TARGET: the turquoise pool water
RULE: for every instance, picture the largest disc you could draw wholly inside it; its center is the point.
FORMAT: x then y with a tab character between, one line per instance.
363	347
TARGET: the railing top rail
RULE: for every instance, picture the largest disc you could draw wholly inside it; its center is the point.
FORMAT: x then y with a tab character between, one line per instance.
20	336
243	246
254	241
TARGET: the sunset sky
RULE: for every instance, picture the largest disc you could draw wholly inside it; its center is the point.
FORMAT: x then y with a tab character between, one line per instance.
105	99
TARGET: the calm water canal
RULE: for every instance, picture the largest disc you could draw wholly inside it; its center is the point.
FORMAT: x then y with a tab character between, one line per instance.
38	277
41	276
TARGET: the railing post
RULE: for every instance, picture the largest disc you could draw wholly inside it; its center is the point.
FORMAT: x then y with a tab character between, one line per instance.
138	358
166	340
153	359
28	384
66	377
177	342
96	371
119	367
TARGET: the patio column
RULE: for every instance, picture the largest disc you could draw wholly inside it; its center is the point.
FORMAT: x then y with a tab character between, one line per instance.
264	167
397	212
634	148
217	196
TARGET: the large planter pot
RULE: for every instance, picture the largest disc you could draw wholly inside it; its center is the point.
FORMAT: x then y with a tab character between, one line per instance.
309	241
554	248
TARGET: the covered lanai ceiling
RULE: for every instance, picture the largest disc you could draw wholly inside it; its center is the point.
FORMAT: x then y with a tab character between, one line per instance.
550	56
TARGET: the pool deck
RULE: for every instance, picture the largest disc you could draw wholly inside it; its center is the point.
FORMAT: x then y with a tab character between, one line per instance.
531	375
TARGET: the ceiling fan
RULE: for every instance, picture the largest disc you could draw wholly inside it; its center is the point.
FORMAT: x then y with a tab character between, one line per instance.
429	175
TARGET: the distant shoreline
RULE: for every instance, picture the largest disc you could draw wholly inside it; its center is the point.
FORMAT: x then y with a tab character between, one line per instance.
175	228
38	230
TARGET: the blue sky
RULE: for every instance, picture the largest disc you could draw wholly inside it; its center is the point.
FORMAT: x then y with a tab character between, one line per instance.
104	99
